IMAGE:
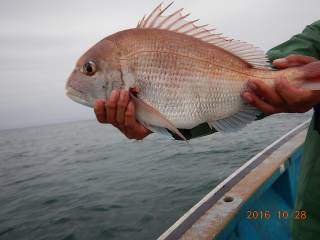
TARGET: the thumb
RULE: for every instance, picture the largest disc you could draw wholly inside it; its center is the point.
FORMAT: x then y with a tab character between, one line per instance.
291	95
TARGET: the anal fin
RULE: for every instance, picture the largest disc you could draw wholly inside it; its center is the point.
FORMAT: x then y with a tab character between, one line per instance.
236	121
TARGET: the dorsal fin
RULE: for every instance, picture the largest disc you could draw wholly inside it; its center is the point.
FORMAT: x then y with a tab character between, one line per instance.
177	22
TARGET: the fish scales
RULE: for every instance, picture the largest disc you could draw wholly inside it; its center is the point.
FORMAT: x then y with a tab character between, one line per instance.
182	69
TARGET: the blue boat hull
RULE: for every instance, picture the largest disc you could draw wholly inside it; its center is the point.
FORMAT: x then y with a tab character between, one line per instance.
268	213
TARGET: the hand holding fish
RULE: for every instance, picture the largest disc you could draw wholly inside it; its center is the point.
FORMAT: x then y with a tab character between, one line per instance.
119	111
282	97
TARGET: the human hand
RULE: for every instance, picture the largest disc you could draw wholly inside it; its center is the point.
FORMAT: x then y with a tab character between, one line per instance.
282	97
119	111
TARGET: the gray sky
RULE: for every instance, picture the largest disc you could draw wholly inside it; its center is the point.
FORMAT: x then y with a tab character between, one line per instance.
40	41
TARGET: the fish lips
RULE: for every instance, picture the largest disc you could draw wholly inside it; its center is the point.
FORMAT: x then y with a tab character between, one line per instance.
74	93
79	97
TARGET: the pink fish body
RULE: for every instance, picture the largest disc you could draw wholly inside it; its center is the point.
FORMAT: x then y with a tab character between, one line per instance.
187	74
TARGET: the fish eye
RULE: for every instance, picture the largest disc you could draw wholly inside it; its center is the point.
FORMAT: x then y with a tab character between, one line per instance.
89	68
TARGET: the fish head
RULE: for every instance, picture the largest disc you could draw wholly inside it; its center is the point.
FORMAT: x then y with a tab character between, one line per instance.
96	74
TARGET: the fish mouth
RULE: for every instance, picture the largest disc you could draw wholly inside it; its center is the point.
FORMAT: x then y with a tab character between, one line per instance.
79	97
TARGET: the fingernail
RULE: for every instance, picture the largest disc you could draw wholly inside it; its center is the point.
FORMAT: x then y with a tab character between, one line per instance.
246	96
252	85
96	101
113	93
130	105
280	61
122	94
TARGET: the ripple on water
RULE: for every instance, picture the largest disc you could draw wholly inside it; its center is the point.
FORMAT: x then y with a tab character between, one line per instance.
99	209
115	206
69	237
50	201
146	218
8	230
62	220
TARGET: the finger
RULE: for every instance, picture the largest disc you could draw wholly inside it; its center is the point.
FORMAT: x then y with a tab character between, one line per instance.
259	103
297	60
265	92
133	128
292	61
130	122
121	106
122	129
111	106
100	111
280	63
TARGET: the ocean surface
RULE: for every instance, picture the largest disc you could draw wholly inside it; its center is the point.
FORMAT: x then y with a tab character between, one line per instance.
84	180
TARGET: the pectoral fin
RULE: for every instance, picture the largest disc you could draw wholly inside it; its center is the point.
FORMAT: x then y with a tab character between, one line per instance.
153	119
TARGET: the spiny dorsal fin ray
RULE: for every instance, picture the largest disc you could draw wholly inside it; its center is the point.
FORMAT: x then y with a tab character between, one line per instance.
177	22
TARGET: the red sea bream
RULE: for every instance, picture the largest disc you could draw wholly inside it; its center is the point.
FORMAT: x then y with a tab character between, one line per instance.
186	74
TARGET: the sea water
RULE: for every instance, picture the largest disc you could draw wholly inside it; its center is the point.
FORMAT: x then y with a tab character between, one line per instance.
84	180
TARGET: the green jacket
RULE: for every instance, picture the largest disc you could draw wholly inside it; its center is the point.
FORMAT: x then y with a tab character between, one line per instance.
308	199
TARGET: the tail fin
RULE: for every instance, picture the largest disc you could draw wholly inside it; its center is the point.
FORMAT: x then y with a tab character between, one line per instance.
311	76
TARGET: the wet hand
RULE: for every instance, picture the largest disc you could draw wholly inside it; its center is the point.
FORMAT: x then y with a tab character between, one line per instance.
119	111
282	97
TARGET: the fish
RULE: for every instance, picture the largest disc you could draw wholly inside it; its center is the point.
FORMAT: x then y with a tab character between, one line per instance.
187	74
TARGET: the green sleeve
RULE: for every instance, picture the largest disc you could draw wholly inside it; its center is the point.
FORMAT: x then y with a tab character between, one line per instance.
308	195
305	43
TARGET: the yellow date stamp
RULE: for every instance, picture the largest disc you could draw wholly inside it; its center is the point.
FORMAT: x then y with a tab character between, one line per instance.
279	214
